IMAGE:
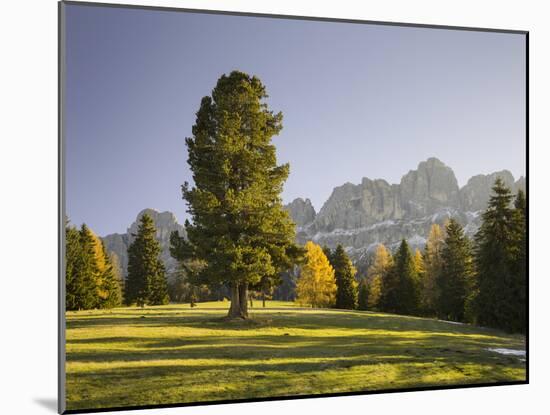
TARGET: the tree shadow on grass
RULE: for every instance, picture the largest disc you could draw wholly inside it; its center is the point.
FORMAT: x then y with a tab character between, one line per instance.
262	347
215	382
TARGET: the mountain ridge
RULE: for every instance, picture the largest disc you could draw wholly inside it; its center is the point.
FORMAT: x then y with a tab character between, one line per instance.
360	216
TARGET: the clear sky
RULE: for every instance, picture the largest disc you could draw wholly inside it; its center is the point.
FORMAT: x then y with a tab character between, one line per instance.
358	101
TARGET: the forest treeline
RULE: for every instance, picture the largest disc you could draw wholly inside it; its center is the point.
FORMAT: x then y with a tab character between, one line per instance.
93	279
481	281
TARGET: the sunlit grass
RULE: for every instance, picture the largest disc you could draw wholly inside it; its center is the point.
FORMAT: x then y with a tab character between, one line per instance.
177	354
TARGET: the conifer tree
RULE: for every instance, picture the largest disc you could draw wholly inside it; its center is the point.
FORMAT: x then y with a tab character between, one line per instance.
111	283
328	253
380	267
87	271
455	279
498	303
117	272
146	282
519	262
316	285
400	285
344	272
363	296
73	253
239	232
432	268
90	278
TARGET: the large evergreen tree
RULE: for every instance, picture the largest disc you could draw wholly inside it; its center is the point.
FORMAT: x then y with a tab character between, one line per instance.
500	301
146	282
239	232
316	285
344	272
400	287
454	281
519	262
87	271
73	263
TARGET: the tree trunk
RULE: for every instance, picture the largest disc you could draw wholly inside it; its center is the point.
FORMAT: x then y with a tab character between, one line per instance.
239	301
243	297
263	299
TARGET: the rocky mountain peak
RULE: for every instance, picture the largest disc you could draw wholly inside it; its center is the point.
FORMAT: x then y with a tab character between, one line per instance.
432	185
301	211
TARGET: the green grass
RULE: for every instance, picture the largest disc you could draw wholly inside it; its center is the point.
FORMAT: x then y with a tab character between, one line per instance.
175	354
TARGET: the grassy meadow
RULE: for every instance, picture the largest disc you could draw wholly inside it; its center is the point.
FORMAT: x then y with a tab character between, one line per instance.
176	354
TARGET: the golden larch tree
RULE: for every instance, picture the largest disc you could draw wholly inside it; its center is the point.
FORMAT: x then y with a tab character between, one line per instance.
381	265
432	267
316	285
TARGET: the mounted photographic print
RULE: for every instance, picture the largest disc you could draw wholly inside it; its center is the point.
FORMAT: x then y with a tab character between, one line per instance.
260	207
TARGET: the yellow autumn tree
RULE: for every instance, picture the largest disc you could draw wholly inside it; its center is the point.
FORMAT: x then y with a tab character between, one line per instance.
381	265
101	263
418	262
107	282
432	262
316	285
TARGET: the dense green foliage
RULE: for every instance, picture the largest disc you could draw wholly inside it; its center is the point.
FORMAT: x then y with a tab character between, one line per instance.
146	282
363	295
91	281
344	273
240	234
400	286
454	281
500	260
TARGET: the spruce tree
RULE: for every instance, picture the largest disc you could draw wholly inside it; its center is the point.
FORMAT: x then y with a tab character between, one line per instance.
363	296
328	253
400	291
455	279
344	272
316	285
146	282
519	263
87	271
498	303
73	253
239	232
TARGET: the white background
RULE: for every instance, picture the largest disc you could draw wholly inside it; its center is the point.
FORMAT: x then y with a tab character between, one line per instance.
28	204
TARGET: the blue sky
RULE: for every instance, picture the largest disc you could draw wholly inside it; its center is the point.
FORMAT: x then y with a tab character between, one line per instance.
358	101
